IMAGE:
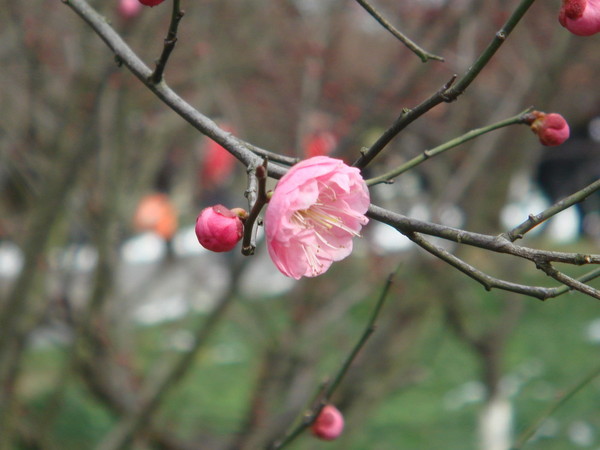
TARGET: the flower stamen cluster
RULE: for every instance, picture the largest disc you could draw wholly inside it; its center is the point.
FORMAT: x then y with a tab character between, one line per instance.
321	220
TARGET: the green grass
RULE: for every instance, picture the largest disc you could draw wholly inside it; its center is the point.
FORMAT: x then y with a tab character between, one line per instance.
546	354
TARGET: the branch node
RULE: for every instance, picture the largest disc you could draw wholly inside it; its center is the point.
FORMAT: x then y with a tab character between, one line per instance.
257	196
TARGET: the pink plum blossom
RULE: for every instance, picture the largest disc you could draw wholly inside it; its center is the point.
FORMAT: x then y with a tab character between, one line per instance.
580	17
316	209
219	229
552	129
129	8
329	424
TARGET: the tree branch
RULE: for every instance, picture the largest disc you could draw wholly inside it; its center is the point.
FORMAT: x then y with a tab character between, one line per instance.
126	56
449	92
169	44
487	281
534	220
427	154
257	198
413	228
423	54
498	244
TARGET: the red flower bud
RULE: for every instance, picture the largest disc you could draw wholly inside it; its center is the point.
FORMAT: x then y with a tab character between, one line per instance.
552	129
151	2
329	425
219	229
580	17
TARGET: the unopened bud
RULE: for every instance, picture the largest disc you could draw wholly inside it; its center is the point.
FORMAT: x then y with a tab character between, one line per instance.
219	229
552	129
580	17
329	424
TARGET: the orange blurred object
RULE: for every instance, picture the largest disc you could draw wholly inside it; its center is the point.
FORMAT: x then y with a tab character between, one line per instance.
156	213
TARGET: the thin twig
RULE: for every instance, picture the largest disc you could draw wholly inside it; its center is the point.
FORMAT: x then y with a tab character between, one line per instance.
427	154
534	220
272	156
487	281
329	388
577	285
423	54
169	43
449	92
530	431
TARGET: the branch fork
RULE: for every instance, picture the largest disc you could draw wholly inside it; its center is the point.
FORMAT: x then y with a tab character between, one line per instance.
258	197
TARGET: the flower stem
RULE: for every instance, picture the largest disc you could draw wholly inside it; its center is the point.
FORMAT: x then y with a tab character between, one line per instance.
389	176
169	45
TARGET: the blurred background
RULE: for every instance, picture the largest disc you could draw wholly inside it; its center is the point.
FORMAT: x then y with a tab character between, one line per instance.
117	330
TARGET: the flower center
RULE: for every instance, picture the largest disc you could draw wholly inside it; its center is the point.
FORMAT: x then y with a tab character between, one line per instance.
322	220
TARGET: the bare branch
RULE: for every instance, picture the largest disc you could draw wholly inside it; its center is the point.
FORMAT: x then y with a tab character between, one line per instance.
257	197
129	58
449	92
498	244
169	44
423	54
427	154
549	270
487	281
534	220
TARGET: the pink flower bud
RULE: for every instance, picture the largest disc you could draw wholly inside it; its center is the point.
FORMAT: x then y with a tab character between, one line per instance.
129	8
329	425
219	229
552	129
580	17
151	2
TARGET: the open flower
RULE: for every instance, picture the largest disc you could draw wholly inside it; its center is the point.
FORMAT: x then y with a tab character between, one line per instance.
580	17
315	211
552	129
329	424
219	229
